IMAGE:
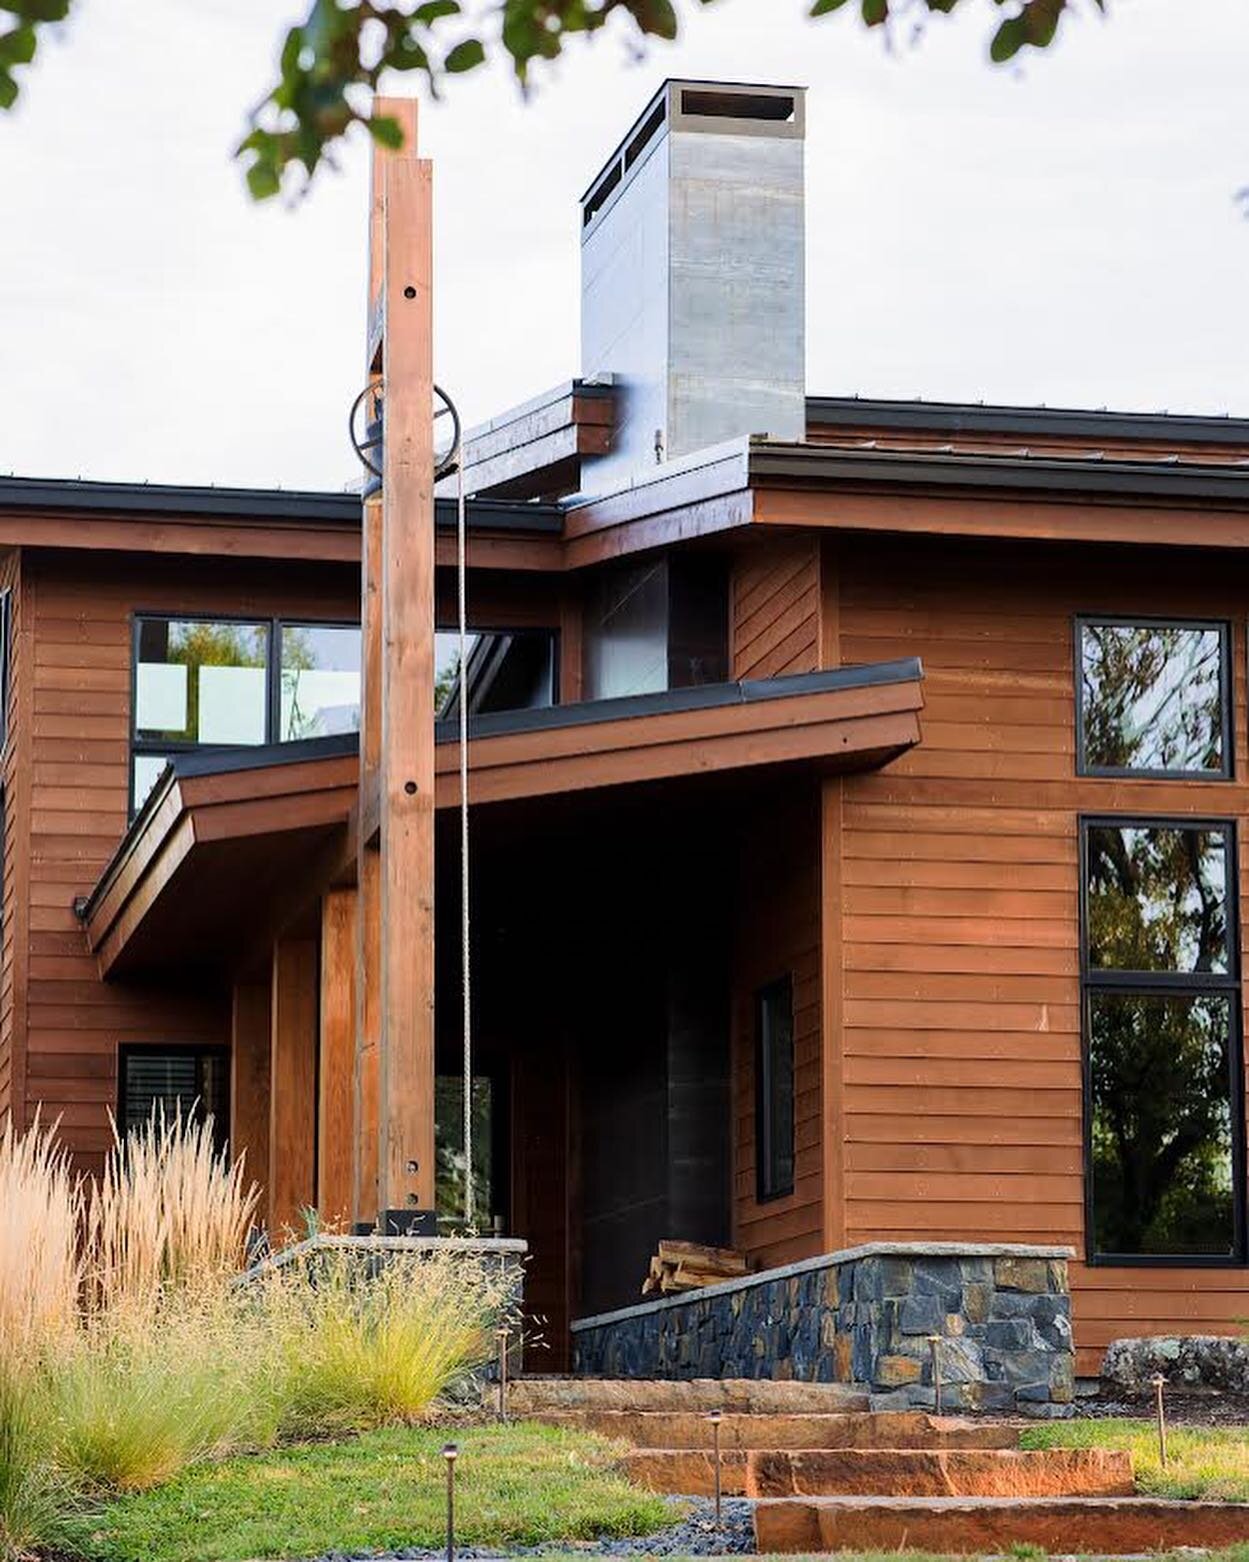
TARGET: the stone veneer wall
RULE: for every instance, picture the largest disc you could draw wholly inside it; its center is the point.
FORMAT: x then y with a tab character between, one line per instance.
866	1317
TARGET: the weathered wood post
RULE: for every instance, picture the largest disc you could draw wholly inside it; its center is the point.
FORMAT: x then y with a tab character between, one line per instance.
394	1062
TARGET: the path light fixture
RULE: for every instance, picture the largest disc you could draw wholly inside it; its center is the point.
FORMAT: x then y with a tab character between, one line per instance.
450	1452
934	1345
1159	1383
716	1418
501	1334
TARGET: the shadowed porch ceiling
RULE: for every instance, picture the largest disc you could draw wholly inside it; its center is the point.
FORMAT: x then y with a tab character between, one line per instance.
231	848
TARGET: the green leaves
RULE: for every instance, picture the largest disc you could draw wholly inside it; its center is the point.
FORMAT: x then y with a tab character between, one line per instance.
19	43
465	56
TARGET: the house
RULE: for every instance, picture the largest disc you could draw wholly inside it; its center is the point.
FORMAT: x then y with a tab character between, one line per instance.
854	806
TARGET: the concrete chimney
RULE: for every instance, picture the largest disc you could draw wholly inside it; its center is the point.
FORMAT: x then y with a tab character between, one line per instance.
692	287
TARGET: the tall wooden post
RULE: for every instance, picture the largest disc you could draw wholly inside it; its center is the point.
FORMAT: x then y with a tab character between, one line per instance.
398	946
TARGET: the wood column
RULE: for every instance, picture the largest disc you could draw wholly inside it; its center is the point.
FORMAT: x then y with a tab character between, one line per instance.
406	778
832	960
292	1083
249	1083
336	1068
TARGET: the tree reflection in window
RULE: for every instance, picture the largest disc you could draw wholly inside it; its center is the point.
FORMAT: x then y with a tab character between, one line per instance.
1161	983
1162	1139
1157	899
1152	697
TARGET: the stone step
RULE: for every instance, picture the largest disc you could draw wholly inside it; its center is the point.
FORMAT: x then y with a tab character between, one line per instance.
1108	1526
528	1395
1078	1472
677	1429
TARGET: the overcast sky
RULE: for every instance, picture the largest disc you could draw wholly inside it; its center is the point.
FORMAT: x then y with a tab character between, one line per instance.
1064	233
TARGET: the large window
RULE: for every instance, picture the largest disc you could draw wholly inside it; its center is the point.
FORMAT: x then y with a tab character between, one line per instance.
1153	698
774	1090
217	683
192	1080
1163	1075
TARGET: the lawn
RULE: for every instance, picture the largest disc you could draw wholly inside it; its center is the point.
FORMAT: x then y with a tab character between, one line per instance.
1210	1462
515	1485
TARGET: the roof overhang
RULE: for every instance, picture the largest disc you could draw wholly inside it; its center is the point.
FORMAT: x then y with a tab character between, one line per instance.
231	846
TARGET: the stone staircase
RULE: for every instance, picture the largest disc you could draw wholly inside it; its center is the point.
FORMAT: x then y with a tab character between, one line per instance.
829	1474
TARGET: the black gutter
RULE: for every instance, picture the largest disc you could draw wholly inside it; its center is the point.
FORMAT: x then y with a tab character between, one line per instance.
952	417
305	506
1053	477
667	702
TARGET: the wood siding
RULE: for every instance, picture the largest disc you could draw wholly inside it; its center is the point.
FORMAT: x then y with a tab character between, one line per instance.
73	676
775	608
960	1047
13	909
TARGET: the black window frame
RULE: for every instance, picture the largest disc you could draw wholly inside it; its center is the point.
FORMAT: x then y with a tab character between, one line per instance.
273	679
129	1049
768	1187
1098	979
1152	621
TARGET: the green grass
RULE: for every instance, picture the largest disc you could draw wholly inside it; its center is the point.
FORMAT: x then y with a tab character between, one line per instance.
515	1485
1209	1462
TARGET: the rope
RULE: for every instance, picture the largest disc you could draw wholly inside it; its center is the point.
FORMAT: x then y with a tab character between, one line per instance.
461	541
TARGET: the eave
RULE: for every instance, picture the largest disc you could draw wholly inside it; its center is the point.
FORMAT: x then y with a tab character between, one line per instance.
231	846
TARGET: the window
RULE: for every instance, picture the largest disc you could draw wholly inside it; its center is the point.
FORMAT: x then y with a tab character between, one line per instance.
1163	1104
204	683
1152	698
774	1090
193	1080
320	681
508	669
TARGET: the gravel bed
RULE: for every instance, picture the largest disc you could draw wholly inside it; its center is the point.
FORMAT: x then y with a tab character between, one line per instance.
1203	1407
695	1535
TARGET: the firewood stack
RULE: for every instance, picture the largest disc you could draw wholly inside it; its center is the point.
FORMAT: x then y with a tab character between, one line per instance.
687	1266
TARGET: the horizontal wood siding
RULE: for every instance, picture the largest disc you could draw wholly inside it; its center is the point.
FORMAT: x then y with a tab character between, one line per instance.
78	633
961	1043
12	908
778	935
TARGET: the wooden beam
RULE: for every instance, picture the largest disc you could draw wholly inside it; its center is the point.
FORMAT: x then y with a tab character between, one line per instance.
832	1037
249	1082
335	1074
365	1129
292	1084
406	1046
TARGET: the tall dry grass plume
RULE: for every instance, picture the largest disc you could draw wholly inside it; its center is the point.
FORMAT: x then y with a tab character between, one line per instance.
169	1214
40	1266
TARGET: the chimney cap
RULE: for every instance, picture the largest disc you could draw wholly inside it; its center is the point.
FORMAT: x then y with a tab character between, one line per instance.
689	103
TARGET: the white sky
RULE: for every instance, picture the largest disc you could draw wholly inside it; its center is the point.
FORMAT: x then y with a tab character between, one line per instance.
1063	233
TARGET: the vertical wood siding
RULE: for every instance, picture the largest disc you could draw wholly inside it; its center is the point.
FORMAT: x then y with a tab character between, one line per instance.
12	909
961	1036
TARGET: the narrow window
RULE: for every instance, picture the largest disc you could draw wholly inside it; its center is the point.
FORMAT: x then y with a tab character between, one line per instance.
192	1080
774	1089
320	692
1162	1001
1152	698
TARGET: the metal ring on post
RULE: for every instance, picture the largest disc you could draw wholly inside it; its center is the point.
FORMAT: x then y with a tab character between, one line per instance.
374	439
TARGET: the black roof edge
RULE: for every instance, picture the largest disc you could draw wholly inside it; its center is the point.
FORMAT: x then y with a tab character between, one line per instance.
296	751
1055	476
305	506
667	702
955	417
